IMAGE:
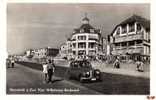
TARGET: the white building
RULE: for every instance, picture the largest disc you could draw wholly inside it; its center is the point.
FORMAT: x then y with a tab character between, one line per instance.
40	53
66	49
85	41
131	38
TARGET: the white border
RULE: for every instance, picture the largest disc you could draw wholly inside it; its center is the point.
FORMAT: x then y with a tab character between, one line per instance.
76	97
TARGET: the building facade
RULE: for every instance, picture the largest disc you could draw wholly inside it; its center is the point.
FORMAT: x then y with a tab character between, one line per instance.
85	41
131	38
40	53
66	49
52	52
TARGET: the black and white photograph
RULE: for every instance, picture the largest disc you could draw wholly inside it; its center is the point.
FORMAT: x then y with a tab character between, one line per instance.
78	48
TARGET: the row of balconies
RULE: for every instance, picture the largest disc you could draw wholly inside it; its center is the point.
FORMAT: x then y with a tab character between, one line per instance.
86	31
128	47
95	39
128	37
84	48
129	50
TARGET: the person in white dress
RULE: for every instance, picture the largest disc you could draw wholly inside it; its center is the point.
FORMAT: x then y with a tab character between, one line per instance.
45	71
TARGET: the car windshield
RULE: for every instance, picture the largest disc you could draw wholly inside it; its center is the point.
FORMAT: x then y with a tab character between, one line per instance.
82	64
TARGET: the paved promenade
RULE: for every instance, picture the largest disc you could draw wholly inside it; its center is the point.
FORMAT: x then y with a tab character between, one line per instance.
126	69
25	80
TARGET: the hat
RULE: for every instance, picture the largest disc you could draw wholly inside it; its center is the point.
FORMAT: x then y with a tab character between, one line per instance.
49	61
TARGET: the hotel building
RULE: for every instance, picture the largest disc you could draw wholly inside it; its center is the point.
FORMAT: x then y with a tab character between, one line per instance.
131	38
85	41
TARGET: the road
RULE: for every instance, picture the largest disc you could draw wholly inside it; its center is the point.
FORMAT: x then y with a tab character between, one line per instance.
24	80
23	76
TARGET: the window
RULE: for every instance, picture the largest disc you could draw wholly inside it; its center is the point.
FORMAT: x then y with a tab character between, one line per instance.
93	37
91	45
74	45
73	38
74	52
131	43
81	37
138	41
124	29
81	52
82	45
92	30
124	44
118	31
138	27
82	30
117	44
131	27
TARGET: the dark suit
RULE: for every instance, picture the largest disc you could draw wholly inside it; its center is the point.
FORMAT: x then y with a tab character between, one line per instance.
50	71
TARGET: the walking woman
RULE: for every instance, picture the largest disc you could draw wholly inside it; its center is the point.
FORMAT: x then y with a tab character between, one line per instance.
45	71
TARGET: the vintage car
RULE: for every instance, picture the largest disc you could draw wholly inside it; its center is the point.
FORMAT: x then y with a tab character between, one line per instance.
83	71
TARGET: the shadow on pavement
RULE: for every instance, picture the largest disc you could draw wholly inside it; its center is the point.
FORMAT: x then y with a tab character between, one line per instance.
57	80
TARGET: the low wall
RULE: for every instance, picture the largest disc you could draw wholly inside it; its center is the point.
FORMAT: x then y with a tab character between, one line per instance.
60	71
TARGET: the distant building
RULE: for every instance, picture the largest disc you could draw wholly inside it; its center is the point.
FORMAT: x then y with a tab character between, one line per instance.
85	41
52	51
29	53
66	49
40	53
106	46
131	38
44	52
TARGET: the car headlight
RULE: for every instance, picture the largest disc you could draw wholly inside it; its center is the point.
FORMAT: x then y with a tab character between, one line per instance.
87	73
97	72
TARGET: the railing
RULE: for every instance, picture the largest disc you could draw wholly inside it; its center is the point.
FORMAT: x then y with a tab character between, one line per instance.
130	50
128	37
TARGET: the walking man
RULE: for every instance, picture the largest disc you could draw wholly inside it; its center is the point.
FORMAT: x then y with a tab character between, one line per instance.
12	63
51	68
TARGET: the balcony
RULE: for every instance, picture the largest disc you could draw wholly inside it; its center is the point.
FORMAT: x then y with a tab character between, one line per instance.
128	38
129	50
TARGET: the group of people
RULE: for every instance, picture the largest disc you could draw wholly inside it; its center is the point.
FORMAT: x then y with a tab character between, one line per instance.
48	70
10	63
139	65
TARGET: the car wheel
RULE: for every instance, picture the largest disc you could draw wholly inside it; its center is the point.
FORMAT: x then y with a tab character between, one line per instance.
100	78
68	75
81	79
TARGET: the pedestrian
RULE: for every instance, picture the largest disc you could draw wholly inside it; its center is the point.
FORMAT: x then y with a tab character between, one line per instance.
117	63
12	63
45	71
139	66
51	68
8	62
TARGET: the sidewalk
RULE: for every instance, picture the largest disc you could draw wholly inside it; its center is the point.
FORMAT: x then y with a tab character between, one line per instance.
126	69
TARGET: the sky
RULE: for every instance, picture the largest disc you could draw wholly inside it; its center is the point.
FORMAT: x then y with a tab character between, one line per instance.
39	25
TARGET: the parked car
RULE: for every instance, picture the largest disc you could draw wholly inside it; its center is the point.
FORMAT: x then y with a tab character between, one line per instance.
82	70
